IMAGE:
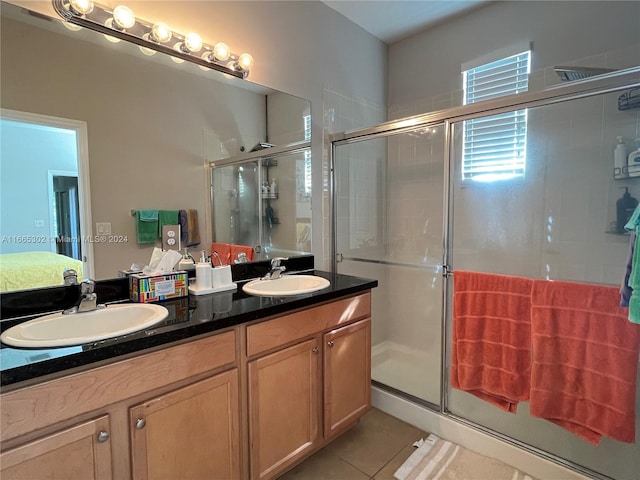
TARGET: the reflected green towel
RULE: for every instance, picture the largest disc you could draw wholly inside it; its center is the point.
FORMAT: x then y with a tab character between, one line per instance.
634	283
167	217
147	226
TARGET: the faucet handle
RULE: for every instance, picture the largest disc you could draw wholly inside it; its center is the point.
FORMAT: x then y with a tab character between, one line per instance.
70	276
87	286
275	262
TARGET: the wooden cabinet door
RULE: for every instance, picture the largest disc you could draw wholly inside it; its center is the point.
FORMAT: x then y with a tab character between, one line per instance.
347	376
284	401
82	452
190	433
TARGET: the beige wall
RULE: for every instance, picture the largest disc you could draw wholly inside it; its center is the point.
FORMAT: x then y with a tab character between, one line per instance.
299	47
146	126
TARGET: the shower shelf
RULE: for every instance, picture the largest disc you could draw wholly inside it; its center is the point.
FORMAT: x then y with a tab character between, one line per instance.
629	100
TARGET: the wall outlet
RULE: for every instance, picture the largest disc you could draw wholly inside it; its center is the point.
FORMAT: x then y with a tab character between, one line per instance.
38	223
171	237
103	228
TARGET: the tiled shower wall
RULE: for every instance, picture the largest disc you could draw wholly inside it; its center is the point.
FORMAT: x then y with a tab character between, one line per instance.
344	112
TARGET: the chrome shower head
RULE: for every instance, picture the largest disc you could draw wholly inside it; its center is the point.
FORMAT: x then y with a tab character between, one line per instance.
578	73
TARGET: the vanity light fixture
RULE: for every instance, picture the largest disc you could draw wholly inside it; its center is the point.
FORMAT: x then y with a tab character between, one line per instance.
121	23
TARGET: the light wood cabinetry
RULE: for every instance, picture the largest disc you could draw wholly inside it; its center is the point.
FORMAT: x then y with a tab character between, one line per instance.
309	382
188	433
347	376
81	452
205	405
284	407
252	400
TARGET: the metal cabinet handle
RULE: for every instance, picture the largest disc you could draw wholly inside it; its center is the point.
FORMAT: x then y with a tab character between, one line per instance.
330	343
140	423
103	436
315	350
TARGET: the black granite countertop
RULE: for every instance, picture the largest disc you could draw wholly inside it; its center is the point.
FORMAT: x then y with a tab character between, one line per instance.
188	317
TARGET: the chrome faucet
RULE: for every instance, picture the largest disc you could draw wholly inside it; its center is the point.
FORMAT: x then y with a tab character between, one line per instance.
70	277
87	301
276	269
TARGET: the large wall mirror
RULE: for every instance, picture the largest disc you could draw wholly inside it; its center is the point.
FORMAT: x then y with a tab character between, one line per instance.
88	121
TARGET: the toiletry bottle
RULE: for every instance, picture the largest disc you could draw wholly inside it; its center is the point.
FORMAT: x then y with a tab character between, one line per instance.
203	273
634	158
186	262
624	209
274	188
620	159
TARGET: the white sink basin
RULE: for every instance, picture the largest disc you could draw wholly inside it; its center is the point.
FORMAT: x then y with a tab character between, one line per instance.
58	330
286	286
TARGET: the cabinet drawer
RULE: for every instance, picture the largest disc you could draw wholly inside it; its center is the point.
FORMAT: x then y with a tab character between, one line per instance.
281	331
51	402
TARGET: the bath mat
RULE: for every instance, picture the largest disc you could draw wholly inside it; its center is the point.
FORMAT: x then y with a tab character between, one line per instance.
437	459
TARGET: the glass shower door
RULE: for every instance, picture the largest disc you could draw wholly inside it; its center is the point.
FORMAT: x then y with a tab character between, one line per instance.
389	226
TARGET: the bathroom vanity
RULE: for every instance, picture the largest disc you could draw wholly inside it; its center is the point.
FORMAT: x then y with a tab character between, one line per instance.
246	393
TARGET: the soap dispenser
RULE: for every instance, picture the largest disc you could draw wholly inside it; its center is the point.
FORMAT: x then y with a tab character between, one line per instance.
625	207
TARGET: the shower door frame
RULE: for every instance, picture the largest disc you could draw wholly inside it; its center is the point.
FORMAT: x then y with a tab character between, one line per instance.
575	90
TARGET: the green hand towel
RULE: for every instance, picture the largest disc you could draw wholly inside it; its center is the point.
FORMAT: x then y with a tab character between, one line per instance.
147	226
167	217
634	283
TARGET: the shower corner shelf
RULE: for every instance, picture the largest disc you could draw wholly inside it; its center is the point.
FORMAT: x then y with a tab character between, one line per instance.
629	100
269	196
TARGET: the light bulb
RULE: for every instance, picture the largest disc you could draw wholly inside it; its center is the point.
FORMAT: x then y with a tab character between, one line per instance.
193	42
72	26
161	32
124	17
81	7
245	61
221	51
147	51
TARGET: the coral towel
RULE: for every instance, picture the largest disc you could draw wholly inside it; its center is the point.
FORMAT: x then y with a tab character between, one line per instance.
491	356
585	360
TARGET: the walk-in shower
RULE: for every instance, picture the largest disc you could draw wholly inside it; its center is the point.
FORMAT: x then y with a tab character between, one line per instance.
404	215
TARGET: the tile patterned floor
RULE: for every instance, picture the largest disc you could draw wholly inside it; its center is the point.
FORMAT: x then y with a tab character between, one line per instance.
372	450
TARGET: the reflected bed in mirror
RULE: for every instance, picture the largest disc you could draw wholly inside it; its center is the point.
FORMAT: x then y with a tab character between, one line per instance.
147	127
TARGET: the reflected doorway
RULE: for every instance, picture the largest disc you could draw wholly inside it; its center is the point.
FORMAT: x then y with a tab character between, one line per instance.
65	218
45	186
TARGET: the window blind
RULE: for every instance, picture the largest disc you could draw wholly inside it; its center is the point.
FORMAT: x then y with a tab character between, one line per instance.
307	156
495	146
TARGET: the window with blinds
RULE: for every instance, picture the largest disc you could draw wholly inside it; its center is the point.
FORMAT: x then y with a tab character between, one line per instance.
495	147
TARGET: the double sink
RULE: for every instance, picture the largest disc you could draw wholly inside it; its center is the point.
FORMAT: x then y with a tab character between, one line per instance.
62	330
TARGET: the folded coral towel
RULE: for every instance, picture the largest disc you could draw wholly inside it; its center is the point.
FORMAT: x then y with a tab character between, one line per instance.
236	249
585	360
491	356
223	251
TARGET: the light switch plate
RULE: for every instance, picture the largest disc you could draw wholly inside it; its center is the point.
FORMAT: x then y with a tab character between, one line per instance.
171	237
103	228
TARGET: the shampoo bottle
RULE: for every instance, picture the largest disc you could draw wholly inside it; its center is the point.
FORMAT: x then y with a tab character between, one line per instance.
624	209
620	159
